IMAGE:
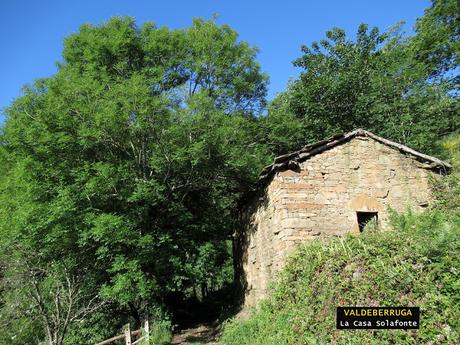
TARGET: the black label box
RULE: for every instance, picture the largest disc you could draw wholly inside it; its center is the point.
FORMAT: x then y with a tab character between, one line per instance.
378	317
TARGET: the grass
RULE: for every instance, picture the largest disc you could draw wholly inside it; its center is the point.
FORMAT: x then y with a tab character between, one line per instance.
160	332
417	264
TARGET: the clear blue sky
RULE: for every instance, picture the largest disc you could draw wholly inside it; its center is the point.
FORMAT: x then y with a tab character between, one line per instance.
32	32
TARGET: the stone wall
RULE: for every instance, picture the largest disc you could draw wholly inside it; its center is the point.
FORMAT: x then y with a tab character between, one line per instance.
322	200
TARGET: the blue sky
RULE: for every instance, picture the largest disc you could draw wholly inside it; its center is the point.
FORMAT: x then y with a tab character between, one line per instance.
32	32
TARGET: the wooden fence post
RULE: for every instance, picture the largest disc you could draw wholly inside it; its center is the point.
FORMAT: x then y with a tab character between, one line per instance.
127	332
147	332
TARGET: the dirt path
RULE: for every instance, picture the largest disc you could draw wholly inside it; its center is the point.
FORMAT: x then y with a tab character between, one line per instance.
202	334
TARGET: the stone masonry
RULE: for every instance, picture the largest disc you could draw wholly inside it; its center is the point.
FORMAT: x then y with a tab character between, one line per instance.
321	196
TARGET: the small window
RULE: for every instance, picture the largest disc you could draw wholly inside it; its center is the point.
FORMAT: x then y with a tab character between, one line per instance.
365	217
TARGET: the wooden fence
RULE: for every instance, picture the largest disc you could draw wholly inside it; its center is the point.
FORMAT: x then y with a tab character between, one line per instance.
131	337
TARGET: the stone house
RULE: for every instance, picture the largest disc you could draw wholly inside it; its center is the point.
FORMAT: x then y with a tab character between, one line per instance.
327	189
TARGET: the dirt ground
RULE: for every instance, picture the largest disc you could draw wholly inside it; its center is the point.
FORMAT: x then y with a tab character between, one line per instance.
201	334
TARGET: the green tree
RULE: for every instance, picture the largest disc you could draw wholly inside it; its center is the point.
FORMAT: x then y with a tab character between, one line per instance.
380	82
437	39
130	160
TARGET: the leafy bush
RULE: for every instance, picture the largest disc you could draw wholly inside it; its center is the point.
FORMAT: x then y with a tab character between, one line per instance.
161	333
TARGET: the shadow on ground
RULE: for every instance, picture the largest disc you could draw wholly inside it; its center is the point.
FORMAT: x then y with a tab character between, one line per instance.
199	322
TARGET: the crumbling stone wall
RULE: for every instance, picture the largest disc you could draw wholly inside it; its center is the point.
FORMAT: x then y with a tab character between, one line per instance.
322	200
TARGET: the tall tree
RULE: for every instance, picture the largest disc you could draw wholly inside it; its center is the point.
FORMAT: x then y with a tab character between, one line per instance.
129	161
375	82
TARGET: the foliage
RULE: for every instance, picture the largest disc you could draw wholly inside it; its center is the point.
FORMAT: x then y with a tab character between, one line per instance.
281	131
130	160
52	296
438	36
448	190
414	265
397	86
160	333
97	326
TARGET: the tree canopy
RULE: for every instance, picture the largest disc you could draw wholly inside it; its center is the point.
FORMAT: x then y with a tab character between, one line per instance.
127	164
378	82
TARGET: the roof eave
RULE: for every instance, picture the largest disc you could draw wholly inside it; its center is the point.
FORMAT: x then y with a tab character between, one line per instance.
294	158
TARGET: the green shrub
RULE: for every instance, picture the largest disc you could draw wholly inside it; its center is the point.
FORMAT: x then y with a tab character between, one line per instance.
160	332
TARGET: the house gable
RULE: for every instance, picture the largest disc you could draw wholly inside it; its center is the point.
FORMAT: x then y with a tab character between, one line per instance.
326	190
291	160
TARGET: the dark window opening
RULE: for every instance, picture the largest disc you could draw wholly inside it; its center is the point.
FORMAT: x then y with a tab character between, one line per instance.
365	217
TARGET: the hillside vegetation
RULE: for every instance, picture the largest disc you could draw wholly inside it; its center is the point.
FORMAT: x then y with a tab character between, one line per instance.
416	264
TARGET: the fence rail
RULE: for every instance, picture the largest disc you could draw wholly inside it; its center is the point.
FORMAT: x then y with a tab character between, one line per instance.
142	334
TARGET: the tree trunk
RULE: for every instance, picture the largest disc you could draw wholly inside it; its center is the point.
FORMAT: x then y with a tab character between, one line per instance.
135	314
